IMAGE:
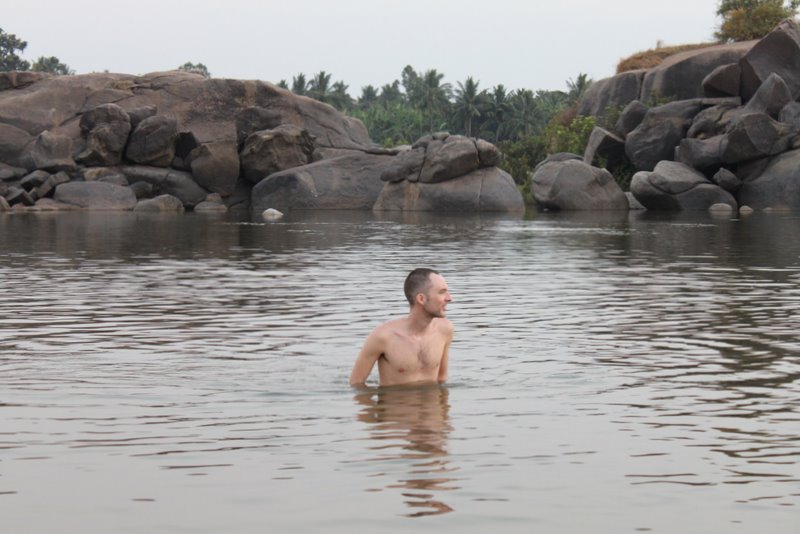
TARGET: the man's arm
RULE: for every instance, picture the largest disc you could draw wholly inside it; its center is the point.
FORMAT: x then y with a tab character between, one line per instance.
442	377
370	352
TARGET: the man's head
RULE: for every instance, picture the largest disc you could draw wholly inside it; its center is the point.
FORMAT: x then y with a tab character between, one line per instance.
428	289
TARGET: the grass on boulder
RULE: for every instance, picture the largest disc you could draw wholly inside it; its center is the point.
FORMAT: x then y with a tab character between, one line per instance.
653	57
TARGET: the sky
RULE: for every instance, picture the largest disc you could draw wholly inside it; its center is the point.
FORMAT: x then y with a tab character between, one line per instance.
530	44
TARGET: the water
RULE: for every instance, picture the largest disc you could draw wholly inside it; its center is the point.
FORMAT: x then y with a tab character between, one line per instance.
610	373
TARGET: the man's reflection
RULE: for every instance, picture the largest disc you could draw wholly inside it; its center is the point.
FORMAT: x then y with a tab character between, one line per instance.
411	423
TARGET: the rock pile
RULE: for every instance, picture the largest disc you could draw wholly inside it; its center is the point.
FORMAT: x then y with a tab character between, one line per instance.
177	141
733	139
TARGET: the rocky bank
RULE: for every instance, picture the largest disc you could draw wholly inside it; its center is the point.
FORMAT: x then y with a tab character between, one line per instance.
175	141
717	127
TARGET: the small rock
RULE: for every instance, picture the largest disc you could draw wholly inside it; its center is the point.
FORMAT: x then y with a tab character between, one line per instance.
720	208
34	180
208	206
271	214
746	210
161	203
4	205
17	195
142	190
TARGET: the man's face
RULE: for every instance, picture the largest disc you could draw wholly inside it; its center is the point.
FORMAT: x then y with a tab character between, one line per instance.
437	297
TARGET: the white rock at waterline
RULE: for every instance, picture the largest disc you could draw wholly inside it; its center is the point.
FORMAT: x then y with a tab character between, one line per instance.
720	208
272	214
745	210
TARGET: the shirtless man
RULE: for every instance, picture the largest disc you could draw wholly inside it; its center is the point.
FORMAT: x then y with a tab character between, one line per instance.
411	349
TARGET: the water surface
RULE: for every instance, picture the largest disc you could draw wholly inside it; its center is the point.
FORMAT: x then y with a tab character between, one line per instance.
610	373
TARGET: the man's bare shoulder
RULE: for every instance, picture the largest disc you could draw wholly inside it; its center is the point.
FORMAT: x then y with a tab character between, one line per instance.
392	325
445	326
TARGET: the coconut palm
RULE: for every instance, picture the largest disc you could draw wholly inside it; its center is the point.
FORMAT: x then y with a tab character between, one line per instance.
525	114
469	103
369	97
390	94
299	84
339	98
319	87
432	96
498	110
577	88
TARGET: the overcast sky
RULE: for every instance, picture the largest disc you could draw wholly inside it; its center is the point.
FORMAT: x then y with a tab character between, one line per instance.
534	44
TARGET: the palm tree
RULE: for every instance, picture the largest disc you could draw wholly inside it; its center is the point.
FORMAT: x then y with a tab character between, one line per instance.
432	96
469	103
299	84
524	113
390	93
319	87
498	110
368	98
577	88
339	98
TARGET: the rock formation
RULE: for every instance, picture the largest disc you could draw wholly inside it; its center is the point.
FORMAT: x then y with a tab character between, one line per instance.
728	135
116	141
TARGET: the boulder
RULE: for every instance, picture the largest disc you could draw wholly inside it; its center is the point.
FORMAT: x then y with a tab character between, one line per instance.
576	185
4	205
52	152
215	166
240	199
753	136
17	195
778	187
167	181
770	97
790	114
661	130
713	121
347	182
701	154
49	204
96	196
405	166
49	185
185	144
776	53
34	180
725	80
142	190
106	130
727	180
269	151
675	186
483	190
452	157
98	174
255	119
20	79
681	76
14	144
614	92
212	204
488	154
160	204
153	141
631	117
137	115
606	145
9	173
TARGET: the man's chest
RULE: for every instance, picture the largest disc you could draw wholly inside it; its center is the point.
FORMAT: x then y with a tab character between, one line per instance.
415	353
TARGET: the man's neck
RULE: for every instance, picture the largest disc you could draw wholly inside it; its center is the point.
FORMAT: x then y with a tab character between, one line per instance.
419	320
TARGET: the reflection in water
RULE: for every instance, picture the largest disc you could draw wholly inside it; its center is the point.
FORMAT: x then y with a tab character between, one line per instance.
411	424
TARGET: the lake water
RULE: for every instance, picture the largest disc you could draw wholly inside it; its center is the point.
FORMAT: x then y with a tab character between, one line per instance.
610	373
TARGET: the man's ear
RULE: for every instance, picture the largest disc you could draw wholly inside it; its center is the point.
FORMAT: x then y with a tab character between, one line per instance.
420	299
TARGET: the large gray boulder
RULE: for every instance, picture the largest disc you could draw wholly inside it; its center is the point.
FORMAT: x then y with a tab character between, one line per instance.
681	76
777	53
770	97
153	141
347	182
660	132
452	157
53	152
405	166
702	154
215	166
255	119
167	181
725	80
753	136
632	116
96	196
604	145
269	151
778	187
675	186
614	92
576	185
106	129
484	190
15	143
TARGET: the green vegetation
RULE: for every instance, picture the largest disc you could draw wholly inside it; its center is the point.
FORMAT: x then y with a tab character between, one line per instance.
743	20
10	48
197	68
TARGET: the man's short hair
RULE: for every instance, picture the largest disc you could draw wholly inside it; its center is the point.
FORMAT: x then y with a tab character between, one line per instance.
417	282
